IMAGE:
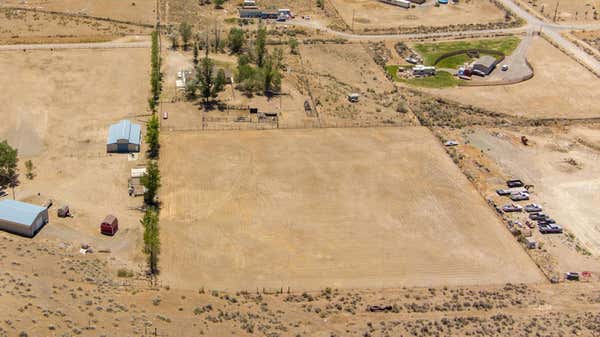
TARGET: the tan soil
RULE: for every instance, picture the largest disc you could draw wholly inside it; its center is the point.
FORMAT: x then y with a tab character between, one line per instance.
144	11
560	88
57	109
369	14
337	207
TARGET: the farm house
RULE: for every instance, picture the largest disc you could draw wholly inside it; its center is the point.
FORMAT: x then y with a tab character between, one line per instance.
22	218
124	137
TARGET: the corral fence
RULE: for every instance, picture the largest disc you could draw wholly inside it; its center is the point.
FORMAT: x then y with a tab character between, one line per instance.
470	52
278	125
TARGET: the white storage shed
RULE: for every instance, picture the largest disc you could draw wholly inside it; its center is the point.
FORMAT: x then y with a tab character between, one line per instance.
22	218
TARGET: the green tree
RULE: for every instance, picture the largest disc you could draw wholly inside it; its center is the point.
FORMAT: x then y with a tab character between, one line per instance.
152	136
218	3
271	77
236	40
9	176
185	30
294	46
195	60
29	167
208	83
260	45
155	74
151	181
321	4
151	238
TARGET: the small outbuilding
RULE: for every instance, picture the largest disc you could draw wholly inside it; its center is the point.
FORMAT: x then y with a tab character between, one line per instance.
250	13
124	137
484	65
22	218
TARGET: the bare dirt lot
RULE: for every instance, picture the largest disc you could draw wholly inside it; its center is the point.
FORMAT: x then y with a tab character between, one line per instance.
19	26
546	95
569	11
51	290
139	11
335	207
335	70
57	109
562	166
372	14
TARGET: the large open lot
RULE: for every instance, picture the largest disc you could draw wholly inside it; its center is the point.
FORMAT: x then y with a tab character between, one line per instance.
326	207
562	166
372	14
548	94
568	11
139	11
20	26
57	109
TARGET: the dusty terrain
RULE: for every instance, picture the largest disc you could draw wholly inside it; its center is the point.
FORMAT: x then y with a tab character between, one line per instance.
61	124
18	26
334	71
569	11
545	95
49	289
562	167
336	207
372	14
138	11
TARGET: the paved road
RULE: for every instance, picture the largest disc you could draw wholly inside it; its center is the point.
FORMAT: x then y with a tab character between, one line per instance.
91	45
552	30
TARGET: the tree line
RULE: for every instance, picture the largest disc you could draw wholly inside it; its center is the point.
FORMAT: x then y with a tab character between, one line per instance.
151	180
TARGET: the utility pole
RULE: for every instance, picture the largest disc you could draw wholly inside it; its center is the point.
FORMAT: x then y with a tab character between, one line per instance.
556	10
353	12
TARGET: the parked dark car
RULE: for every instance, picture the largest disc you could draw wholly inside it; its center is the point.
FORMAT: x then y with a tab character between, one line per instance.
533	208
550	229
546	221
514	183
572	276
537	216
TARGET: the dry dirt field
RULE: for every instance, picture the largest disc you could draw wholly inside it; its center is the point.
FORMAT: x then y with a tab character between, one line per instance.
333	71
569	11
57	109
138	11
372	14
563	167
49	289
349	208
546	95
19	26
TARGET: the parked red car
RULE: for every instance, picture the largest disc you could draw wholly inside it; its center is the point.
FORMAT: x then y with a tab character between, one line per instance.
110	225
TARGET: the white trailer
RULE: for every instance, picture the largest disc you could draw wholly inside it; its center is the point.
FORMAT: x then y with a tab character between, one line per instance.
399	3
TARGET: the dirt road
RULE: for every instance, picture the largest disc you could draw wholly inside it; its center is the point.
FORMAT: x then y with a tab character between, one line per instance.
99	45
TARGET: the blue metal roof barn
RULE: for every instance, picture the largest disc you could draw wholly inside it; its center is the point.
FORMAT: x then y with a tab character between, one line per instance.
22	218
124	137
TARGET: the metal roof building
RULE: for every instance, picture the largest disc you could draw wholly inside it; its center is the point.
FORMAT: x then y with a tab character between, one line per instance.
124	137
22	218
484	65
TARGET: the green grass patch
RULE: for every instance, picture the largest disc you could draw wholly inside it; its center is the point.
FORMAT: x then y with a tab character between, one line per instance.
442	79
431	51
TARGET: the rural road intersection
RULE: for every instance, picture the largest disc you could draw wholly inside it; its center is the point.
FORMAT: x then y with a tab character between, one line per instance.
553	31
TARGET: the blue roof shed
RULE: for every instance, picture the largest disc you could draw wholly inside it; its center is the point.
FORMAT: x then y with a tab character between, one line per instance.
22	218
124	137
